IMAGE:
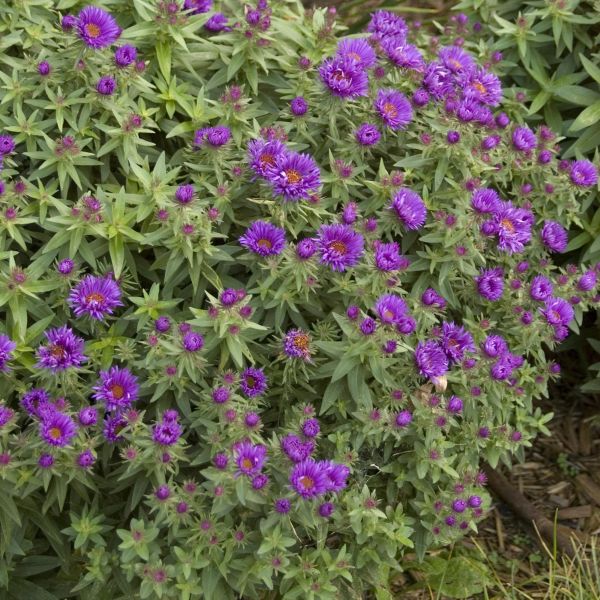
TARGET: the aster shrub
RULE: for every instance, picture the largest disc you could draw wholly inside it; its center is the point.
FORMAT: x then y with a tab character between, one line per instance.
269	296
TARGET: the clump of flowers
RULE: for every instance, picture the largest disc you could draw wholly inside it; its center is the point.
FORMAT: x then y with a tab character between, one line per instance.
269	295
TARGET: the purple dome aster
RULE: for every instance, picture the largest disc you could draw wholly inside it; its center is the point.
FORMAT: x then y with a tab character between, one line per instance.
326	509
263	155
106	85
340	246
35	401
524	139
310	478
431	298
86	459
44	68
294	176
117	388
299	106
409	208
402	54
306	248
282	506
7	145
358	50
6	414
541	288
215	137
587	282
249	457
344	77
367	134
57	429
554	236
296	449
95	296
403	418
456	60
584	173
482	86
162	324
513	226
125	55
198	7
264	239
97	28
455	405
46	461
384	23
65	266
253	382
337	475
192	341
311	428
394	108
166	433
7	347
494	346
485	200
456	341
184	194
490	284
388	257
558	311
88	416
64	350
390	308
68	22
430	358
296	344
217	22
113	425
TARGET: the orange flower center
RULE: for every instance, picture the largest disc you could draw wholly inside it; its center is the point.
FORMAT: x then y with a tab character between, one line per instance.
480	87
55	433
264	244
355	56
247	463
307	482
94	297
92	30
390	110
507	224
339	247
339	76
293	176
456	64
388	314
117	391
250	381
266	159
556	315
301	341
57	351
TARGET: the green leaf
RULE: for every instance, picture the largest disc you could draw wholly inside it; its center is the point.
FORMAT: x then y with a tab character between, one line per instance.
163	55
587	117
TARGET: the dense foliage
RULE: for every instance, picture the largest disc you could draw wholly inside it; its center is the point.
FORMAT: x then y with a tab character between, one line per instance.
268	296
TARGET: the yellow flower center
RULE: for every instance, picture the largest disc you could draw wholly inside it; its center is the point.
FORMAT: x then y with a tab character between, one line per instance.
293	176
264	244
117	391
92	30
94	297
266	159
307	482
480	87
57	351
301	341
247	463
339	247
390	110
55	433
507	224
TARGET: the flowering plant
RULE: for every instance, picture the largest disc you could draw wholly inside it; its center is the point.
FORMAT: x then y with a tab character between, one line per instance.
269	295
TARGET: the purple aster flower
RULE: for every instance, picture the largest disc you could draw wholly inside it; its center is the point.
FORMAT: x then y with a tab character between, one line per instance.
420	97
97	28
68	22
403	419
264	155
326	509
368	326
482	86
340	246
456	60
282	506
357	50
6	414
384	23
502	369
438	80
46	461
7	145
453	137
587	282
296	449
311	428
455	405
249	457
299	106
524	139
494	346
406	325
95	296
216	23
86	459
294	176
113	426
459	505
410	208
388	257
306	248
431	360
513	226
184	194
402	54
117	388
220	395
431	298
260	481
228	297
36	401
192	341
65	267
88	416
162	324
310	478
57	429
485	200
337	475
220	461
198	7
253	382
558	312
367	134
166	433
7	347
541	288
390	308
214	137
456	341
44	68
264	239
584	173
125	55
64	350
296	344
554	236
490	284
394	108
344	77
251	420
